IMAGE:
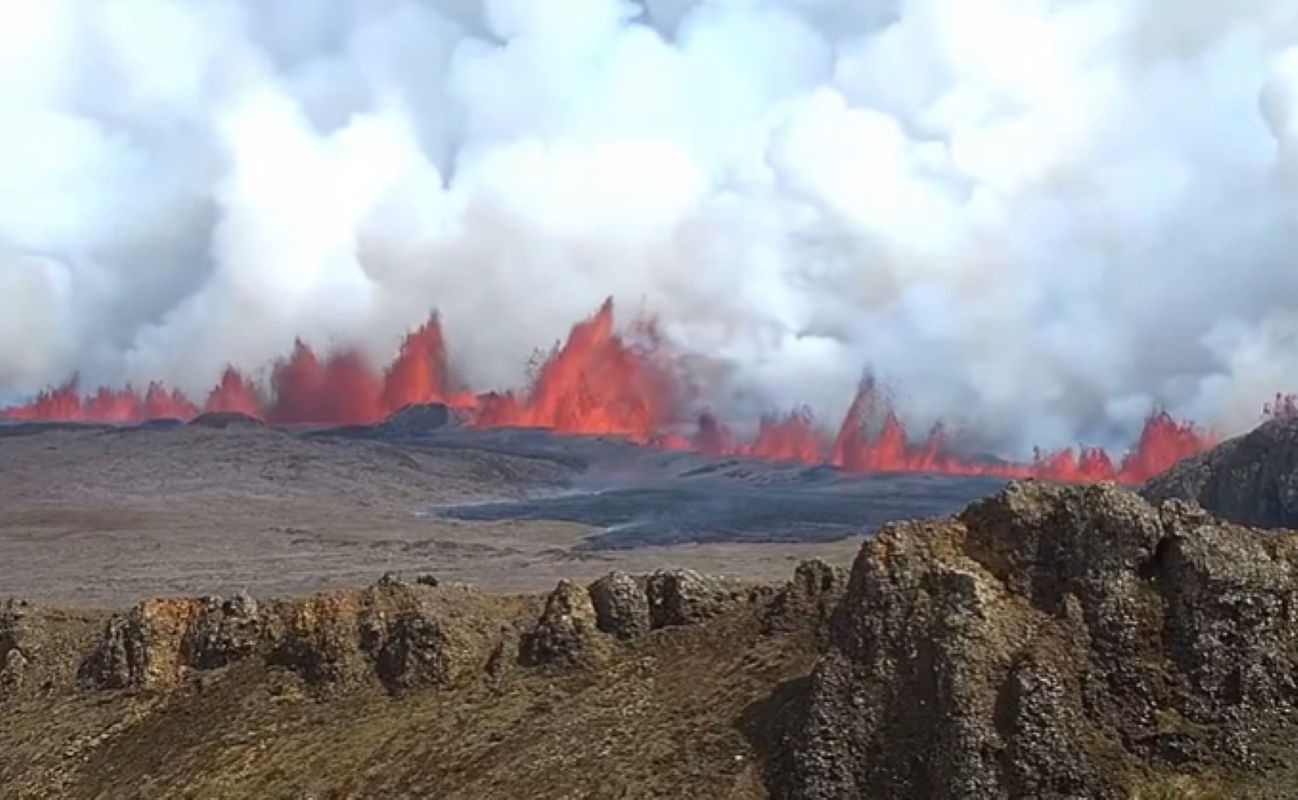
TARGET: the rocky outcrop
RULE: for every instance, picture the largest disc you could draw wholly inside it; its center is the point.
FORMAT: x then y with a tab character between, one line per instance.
808	599
621	605
567	634
285	697
16	645
685	597
417	418
407	635
1051	642
317	638
226	631
149	646
159	641
402	634
1251	480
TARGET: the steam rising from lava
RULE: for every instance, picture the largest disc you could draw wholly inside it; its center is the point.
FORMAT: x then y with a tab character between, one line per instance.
1038	219
598	383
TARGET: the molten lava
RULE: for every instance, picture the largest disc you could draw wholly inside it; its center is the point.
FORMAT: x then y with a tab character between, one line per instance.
598	382
234	394
105	405
594	384
420	372
304	389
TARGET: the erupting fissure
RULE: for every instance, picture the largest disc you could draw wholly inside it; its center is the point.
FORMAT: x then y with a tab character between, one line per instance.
597	382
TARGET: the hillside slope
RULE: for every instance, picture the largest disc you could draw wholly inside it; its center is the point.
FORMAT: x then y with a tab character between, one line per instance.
1049	642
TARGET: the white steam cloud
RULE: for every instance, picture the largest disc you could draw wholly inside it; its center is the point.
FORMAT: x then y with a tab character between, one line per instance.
1037	218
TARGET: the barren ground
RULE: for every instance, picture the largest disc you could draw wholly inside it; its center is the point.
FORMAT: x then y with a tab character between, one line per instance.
102	516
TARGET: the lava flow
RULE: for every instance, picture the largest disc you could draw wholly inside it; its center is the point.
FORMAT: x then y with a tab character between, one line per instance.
599	383
860	447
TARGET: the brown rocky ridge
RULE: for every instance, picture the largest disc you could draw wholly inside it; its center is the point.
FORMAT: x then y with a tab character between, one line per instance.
1048	642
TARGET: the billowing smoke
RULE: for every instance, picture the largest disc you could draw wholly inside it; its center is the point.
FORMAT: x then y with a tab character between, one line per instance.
1035	218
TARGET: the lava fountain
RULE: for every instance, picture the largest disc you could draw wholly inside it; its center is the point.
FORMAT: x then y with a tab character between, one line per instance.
600	383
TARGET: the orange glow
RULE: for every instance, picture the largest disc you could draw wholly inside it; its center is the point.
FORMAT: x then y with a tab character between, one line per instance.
597	383
594	384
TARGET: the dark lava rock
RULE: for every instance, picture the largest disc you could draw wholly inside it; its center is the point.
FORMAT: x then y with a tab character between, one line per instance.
13	668
808	599
316	637
16	645
408	648
161	641
407	635
1051	642
120	658
621	605
1252	479
228	631
684	597
161	424
404	636
225	419
418	418
567	633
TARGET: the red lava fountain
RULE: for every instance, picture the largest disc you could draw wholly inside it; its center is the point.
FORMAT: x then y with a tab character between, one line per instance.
234	394
599	383
594	384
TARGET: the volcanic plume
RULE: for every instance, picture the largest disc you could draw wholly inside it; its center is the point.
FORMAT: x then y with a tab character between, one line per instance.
1040	219
598	383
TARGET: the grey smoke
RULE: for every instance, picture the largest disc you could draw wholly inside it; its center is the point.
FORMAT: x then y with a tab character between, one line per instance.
1035	218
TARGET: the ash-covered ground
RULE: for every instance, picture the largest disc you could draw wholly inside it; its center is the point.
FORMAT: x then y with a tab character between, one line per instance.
97	514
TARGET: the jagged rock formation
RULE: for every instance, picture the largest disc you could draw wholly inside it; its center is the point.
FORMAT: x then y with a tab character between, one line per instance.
487	696
1050	643
813	594
407	635
1252	479
227	631
567	633
16	644
409	642
397	631
621	605
684	597
142	647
